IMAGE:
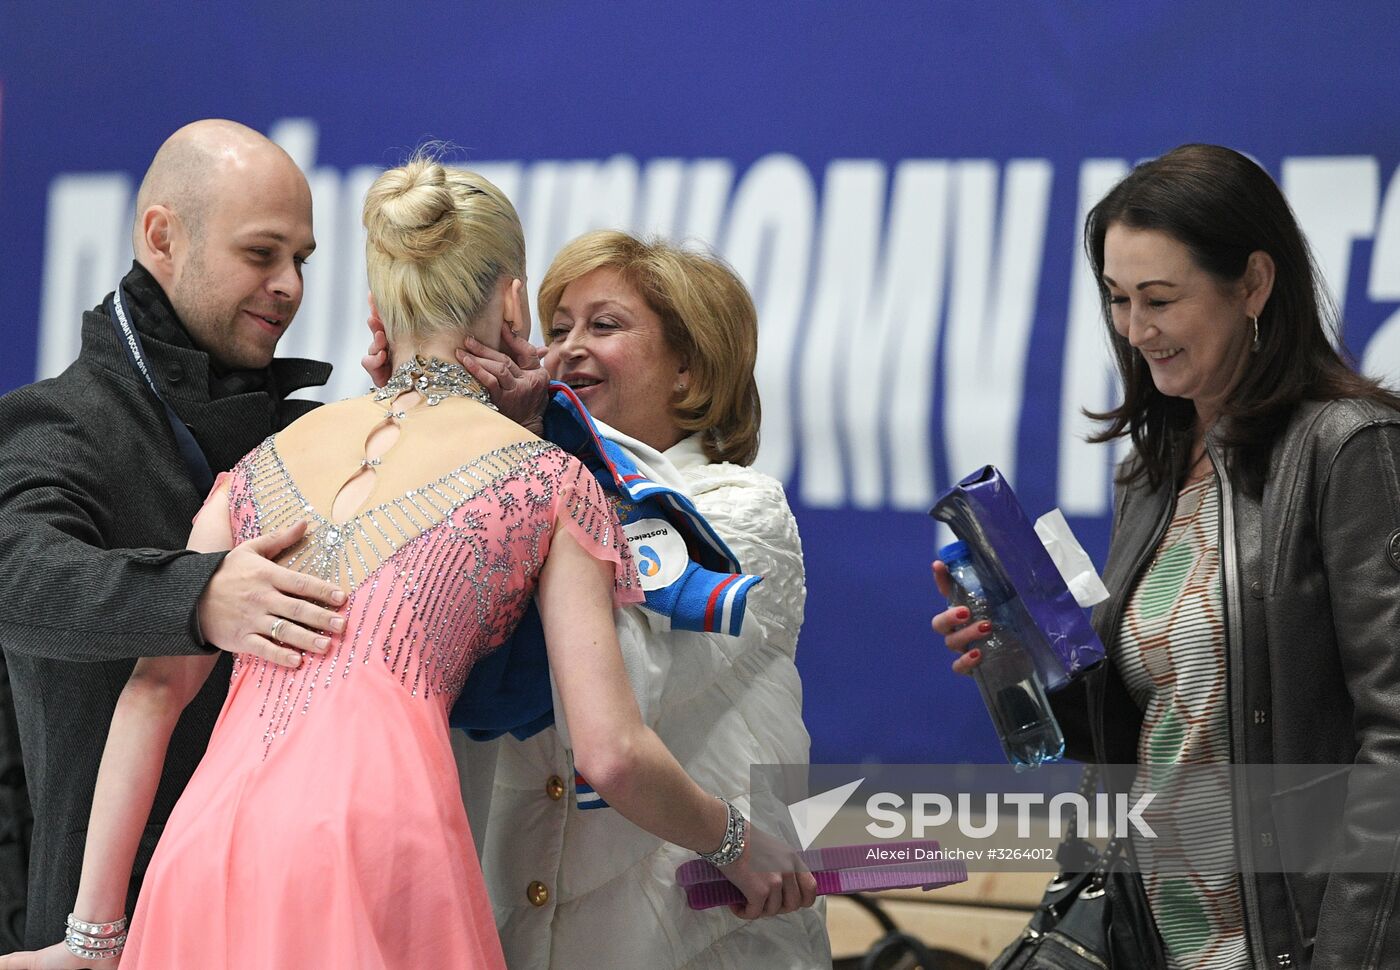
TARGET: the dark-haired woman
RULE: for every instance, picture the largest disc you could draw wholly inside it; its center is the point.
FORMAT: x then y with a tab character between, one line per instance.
1254	567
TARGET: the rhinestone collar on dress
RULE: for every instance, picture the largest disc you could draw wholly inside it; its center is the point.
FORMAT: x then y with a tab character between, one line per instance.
435	379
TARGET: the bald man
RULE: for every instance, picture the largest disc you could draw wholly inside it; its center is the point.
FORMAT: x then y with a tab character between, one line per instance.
103	467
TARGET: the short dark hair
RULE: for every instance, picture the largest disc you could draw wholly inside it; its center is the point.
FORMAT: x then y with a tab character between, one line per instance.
1223	207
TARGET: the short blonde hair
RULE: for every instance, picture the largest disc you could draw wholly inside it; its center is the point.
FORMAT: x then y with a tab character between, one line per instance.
437	241
707	317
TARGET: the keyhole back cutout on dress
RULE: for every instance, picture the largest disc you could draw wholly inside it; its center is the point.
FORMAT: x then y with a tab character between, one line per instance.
372	473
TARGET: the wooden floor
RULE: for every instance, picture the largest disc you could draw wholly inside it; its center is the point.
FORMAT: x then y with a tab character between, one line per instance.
976	918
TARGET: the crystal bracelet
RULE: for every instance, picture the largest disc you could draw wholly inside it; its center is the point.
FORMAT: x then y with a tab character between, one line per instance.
736	833
96	929
95	941
78	949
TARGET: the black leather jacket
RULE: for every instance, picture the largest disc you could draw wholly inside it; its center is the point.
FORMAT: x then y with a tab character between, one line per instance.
1311	579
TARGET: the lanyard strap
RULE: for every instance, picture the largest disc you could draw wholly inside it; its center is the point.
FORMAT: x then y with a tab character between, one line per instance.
195	462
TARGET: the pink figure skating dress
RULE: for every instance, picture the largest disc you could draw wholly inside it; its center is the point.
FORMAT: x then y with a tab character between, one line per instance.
324	827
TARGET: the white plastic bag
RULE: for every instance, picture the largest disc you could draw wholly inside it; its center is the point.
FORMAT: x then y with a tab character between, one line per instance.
1070	559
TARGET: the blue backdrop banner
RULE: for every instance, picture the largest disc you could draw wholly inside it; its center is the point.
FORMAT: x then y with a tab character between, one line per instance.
901	184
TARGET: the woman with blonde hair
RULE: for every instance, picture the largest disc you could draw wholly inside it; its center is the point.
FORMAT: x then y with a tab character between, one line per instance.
659	343
324	826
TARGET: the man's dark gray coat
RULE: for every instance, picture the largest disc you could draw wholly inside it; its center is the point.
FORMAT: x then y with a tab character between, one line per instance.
94	497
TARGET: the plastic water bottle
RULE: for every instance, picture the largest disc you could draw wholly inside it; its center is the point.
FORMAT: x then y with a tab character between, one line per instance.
1014	696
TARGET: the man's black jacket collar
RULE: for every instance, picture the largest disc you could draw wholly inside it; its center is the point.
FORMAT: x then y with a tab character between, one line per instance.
212	401
165	336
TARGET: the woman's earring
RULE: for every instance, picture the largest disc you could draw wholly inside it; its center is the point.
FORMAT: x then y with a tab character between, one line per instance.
1255	348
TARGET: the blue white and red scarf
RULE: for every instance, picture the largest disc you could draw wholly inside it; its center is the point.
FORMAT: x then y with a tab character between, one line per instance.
688	573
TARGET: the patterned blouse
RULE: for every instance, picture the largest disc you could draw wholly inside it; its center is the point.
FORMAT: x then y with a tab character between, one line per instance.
1171	651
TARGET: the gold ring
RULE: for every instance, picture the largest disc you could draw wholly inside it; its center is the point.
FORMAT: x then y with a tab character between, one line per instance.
277	628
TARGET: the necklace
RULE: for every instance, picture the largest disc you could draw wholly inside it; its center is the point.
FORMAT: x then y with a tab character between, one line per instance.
435	379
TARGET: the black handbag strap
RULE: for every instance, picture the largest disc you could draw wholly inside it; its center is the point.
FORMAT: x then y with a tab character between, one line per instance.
1076	853
1119	847
1089	781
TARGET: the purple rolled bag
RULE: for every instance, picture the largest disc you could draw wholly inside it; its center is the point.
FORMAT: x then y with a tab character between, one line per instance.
983	511
837	869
